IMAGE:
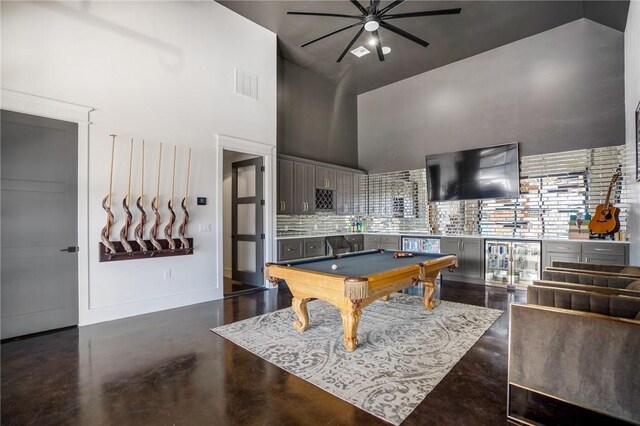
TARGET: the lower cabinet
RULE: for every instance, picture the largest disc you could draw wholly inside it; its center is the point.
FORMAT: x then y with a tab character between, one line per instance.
314	247
470	253
290	249
356	242
588	252
386	242
299	248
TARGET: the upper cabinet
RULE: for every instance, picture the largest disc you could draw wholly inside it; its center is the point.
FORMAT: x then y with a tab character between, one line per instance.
307	187
325	178
344	192
285	186
304	188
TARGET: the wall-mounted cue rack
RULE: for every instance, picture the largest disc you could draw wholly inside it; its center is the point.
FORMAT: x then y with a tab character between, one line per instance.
121	254
139	248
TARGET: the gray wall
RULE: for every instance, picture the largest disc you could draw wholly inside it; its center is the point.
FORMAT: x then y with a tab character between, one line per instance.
556	91
632	99
316	119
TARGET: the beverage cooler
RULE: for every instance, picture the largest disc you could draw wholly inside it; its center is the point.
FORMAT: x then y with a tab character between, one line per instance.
421	244
512	262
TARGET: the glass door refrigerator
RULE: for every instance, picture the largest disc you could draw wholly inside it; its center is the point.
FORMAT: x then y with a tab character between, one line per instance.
512	262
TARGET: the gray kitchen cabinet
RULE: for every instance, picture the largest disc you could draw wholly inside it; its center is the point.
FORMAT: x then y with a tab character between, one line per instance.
304	188
325	178
385	241
470	253
588	252
314	247
360	199
344	192
290	249
285	186
356	242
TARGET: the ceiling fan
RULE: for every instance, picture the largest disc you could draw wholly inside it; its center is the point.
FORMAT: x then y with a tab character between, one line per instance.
371	19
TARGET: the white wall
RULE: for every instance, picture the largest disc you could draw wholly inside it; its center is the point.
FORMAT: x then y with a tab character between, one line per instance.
227	174
632	98
555	91
162	71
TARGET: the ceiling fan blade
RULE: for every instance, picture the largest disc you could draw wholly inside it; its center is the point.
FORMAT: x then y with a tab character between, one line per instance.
374	6
337	15
403	33
390	6
376	37
424	13
353	40
359	6
332	33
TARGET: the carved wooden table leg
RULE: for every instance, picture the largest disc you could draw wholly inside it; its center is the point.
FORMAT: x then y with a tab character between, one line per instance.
429	291
300	308
350	320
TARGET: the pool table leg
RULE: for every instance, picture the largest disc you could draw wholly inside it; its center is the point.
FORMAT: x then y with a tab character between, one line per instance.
350	320
300	308
427	299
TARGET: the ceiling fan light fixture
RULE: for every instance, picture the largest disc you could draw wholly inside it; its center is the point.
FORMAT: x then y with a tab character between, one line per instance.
372	25
386	50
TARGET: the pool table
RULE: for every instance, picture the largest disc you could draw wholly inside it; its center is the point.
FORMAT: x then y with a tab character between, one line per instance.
356	280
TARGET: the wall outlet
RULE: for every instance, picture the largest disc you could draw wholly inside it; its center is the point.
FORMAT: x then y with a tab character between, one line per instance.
166	274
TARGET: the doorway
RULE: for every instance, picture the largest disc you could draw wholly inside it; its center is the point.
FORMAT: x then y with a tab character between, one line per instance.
39	235
243	217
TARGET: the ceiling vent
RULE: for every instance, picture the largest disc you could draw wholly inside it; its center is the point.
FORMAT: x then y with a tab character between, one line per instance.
246	84
360	51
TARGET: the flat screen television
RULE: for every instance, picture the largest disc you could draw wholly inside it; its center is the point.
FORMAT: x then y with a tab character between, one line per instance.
491	172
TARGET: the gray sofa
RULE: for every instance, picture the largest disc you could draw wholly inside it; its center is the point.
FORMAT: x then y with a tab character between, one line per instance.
632	271
587	278
577	346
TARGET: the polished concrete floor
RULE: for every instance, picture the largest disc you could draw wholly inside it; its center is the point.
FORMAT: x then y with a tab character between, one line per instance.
167	368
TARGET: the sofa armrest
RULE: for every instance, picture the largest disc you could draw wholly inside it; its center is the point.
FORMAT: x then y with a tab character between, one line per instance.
586	359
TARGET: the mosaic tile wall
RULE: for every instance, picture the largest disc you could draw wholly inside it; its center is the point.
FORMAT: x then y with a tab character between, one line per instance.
552	187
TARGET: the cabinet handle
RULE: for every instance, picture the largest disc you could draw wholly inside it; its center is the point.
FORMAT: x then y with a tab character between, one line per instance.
304	206
462	245
601	249
284	205
586	259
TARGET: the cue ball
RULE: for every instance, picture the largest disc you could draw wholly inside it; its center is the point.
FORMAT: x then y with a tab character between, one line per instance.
334	266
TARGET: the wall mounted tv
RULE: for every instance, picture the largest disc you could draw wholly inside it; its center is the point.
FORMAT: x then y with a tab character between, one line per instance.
491	172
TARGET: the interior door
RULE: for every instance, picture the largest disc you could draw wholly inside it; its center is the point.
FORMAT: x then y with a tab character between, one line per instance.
247	223
39	171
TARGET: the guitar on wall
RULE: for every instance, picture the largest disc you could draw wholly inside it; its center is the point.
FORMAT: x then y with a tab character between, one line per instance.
606	219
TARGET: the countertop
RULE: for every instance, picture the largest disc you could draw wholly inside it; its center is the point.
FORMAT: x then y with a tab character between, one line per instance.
423	234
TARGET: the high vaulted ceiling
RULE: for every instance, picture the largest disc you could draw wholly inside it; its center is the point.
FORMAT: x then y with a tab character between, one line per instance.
481	26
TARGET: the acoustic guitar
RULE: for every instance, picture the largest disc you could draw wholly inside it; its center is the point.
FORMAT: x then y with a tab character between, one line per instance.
606	219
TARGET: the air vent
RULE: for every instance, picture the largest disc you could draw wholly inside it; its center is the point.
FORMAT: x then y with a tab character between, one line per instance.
360	51
246	84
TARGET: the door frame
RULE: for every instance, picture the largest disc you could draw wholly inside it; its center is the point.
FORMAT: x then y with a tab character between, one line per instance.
11	100
268	153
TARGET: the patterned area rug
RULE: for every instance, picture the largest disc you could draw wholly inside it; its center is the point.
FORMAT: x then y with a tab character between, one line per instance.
404	350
